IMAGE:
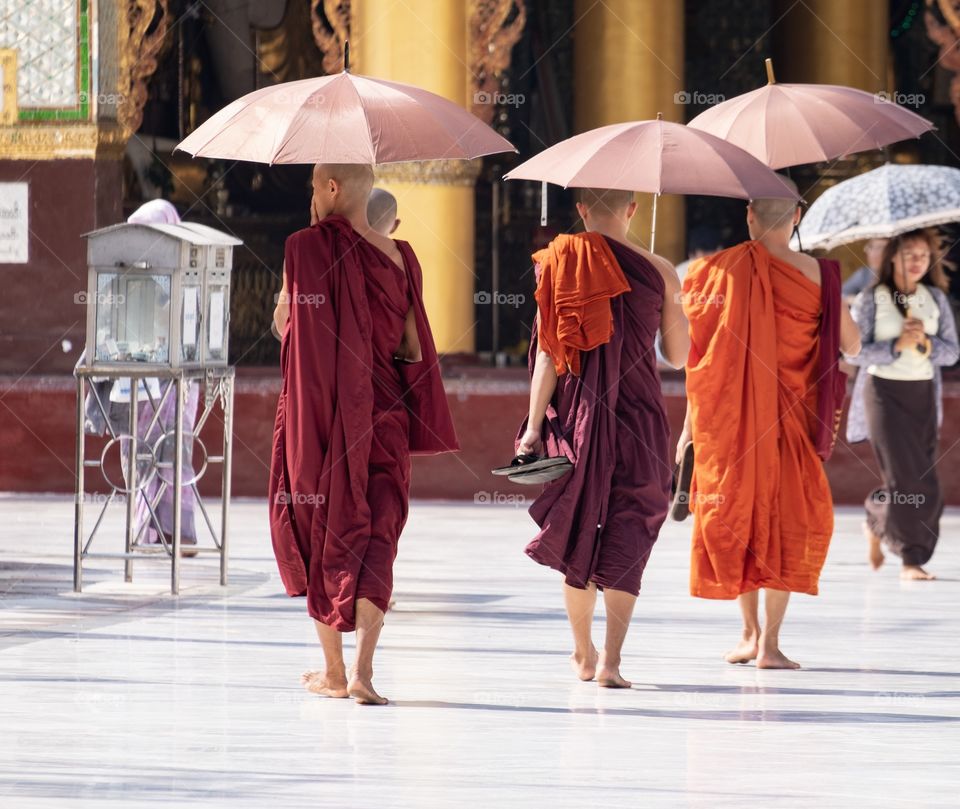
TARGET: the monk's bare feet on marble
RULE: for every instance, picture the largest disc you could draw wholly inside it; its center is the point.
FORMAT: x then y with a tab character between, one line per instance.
608	674
361	689
745	651
916	573
585	666
774	659
333	684
874	550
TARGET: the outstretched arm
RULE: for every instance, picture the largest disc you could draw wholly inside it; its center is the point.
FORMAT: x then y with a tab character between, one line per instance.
849	333
542	387
281	313
686	434
674	334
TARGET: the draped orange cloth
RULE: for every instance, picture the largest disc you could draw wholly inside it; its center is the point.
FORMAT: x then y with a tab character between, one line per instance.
578	276
761	503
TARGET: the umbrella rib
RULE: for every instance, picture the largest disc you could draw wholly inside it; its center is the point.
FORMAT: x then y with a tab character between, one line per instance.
590	156
221	128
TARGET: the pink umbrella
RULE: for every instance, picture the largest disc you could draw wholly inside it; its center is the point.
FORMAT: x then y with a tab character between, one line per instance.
343	119
658	157
790	124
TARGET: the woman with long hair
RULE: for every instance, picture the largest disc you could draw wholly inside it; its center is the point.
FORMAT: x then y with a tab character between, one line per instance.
908	334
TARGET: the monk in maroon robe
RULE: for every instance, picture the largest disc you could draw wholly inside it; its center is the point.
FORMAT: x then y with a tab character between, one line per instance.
595	397
361	392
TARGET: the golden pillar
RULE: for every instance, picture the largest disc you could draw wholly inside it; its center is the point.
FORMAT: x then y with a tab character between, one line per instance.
426	43
628	66
826	42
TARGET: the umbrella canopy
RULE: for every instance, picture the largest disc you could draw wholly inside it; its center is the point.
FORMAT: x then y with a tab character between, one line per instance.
791	124
881	203
656	156
343	119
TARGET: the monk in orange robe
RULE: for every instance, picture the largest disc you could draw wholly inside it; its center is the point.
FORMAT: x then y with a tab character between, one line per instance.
361	392
763	399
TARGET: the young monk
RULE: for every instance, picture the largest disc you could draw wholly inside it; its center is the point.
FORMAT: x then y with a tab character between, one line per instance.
382	211
595	397
763	407
361	392
382	215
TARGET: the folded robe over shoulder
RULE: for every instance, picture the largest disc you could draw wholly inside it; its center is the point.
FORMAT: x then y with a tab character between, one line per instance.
761	378
579	275
348	418
599	522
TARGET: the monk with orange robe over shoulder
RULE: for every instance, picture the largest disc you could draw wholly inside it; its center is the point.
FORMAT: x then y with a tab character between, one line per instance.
595	398
764	394
361	392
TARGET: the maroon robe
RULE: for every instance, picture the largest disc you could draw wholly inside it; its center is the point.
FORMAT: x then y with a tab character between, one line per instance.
832	382
348	418
599	523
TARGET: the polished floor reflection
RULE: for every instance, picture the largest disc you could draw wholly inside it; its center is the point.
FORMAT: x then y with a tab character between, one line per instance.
126	697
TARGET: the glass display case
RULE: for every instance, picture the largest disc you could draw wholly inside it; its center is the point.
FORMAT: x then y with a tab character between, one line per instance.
158	323
158	295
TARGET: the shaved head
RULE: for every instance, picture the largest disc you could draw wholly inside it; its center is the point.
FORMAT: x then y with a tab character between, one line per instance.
356	178
382	211
341	188
775	213
602	201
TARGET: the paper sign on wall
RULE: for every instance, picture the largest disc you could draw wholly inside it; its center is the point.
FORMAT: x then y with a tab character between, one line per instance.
14	231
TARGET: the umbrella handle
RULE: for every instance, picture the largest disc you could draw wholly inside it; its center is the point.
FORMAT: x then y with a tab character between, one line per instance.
543	203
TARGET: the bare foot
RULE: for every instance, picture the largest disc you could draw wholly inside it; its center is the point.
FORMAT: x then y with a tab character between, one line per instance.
361	689
608	675
743	652
875	551
916	573
318	682
775	659
585	667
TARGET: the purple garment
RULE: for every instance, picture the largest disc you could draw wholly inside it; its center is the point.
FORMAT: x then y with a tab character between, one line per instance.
599	522
164	508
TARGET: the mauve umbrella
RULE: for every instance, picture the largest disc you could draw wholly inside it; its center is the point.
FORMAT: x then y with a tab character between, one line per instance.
343	119
657	157
791	124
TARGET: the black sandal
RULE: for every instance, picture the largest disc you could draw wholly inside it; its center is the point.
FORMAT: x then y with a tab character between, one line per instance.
528	468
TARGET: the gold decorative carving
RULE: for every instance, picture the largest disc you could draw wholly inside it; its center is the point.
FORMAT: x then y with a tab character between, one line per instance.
491	43
331	28
289	52
141	39
947	37
950	14
429	172
8	68
27	141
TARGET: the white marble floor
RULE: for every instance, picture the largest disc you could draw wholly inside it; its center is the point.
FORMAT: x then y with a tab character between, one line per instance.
126	697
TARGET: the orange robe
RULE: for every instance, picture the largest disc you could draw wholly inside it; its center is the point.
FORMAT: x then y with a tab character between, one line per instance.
762	510
578	276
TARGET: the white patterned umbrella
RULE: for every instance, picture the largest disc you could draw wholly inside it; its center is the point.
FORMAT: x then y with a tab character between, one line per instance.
885	202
